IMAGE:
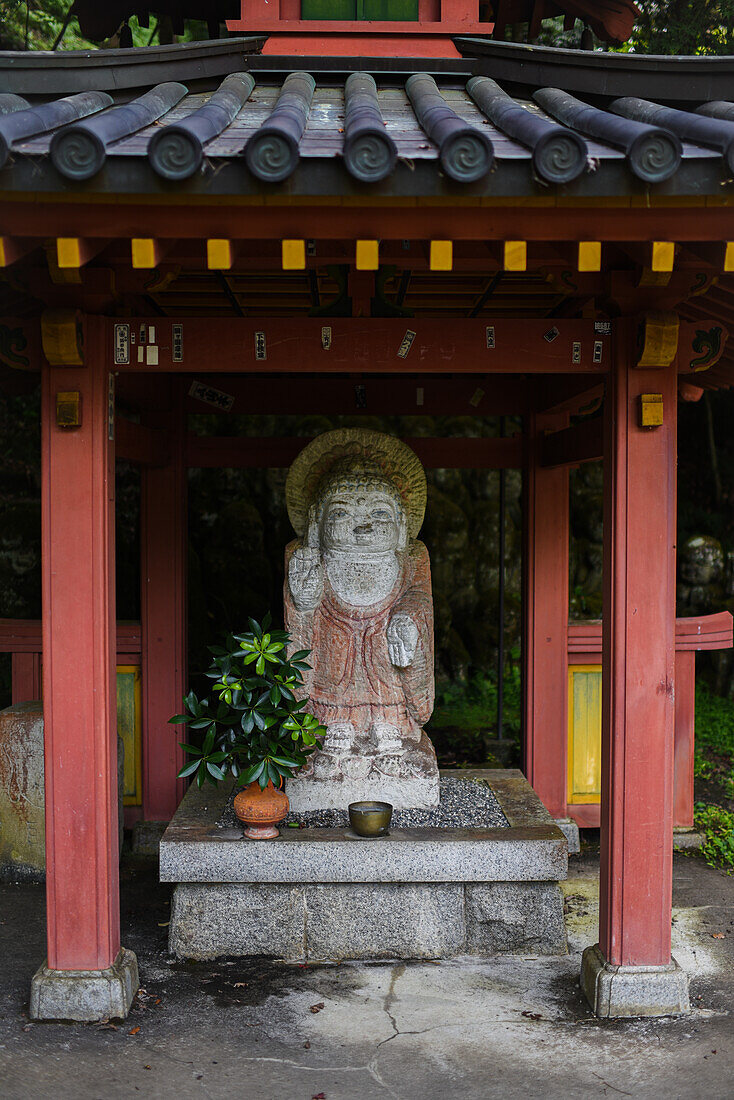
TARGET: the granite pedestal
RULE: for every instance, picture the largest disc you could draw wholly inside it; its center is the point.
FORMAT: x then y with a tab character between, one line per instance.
316	893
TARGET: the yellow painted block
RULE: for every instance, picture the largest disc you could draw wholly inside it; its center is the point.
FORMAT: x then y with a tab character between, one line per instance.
294	255
442	255
4	253
729	256
651	410
516	255
68	252
589	256
368	255
663	255
143	252
129	727
584	734
218	254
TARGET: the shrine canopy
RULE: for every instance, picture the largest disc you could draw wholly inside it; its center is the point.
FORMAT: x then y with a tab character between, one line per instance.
509	159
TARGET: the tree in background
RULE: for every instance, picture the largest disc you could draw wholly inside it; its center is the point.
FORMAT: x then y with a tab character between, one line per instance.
38	25
684	27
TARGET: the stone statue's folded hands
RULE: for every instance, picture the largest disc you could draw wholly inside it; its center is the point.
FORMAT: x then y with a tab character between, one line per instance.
402	639
306	577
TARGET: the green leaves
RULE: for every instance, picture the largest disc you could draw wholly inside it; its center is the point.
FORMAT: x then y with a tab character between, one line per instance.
257	727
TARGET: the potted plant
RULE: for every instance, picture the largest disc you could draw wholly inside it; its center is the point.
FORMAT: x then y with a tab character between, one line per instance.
255	727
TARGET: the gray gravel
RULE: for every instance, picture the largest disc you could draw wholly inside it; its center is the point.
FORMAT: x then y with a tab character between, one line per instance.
465	804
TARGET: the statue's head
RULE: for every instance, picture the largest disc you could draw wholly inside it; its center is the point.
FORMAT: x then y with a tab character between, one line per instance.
357	511
356	491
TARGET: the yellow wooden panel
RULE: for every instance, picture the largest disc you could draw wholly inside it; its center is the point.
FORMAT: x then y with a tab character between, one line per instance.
68	252
218	254
442	255
663	255
584	733
368	255
516	255
129	727
143	252
729	256
589	256
294	255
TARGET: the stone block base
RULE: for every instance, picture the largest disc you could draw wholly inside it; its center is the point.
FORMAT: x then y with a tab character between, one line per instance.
402	792
437	920
570	830
614	991
87	995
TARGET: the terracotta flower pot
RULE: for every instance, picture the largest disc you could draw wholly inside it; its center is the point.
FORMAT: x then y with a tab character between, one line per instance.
260	811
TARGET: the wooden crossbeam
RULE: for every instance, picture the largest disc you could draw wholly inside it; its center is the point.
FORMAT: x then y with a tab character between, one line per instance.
146	252
139	444
74	252
589	256
219	254
273	452
373	345
293	254
515	255
442	255
13	249
570	447
367	256
401	395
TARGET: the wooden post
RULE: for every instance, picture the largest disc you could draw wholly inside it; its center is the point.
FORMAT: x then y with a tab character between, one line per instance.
545	635
78	671
630	971
163	608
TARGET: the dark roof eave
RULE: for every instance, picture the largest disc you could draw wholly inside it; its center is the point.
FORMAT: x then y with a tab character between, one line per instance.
47	73
314	177
679	79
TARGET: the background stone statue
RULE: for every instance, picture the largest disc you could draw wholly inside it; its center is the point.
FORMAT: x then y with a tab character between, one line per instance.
358	595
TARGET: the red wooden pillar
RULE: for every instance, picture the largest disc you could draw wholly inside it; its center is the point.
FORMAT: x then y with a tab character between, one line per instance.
545	634
630	971
78	494
163	608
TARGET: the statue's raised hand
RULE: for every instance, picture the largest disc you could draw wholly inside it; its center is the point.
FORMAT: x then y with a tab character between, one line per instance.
402	639
306	577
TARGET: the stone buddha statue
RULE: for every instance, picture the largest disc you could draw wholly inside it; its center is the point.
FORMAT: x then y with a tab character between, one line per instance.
358	595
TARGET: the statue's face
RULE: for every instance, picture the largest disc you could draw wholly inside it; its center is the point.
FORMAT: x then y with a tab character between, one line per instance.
361	516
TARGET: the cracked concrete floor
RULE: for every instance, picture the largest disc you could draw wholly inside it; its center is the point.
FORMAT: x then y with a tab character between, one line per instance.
505	1028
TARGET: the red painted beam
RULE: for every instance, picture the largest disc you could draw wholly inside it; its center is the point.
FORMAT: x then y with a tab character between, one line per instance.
371	395
470	220
78	487
140	445
364	346
572	446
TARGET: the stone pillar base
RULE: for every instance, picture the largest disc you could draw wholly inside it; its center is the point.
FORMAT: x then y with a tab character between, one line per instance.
85	994
570	830
633	990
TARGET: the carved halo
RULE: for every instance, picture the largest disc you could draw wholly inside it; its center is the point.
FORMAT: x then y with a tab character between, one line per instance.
385	454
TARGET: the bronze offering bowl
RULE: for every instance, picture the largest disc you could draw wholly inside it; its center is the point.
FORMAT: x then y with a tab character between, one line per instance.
370	818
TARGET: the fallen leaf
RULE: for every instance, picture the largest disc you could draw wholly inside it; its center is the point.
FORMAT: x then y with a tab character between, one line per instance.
146	1067
163	924
319	1096
240	985
318	1007
307	1045
134	1031
717	935
532	1015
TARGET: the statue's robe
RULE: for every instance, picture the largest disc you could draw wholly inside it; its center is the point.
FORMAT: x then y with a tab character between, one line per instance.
352	678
